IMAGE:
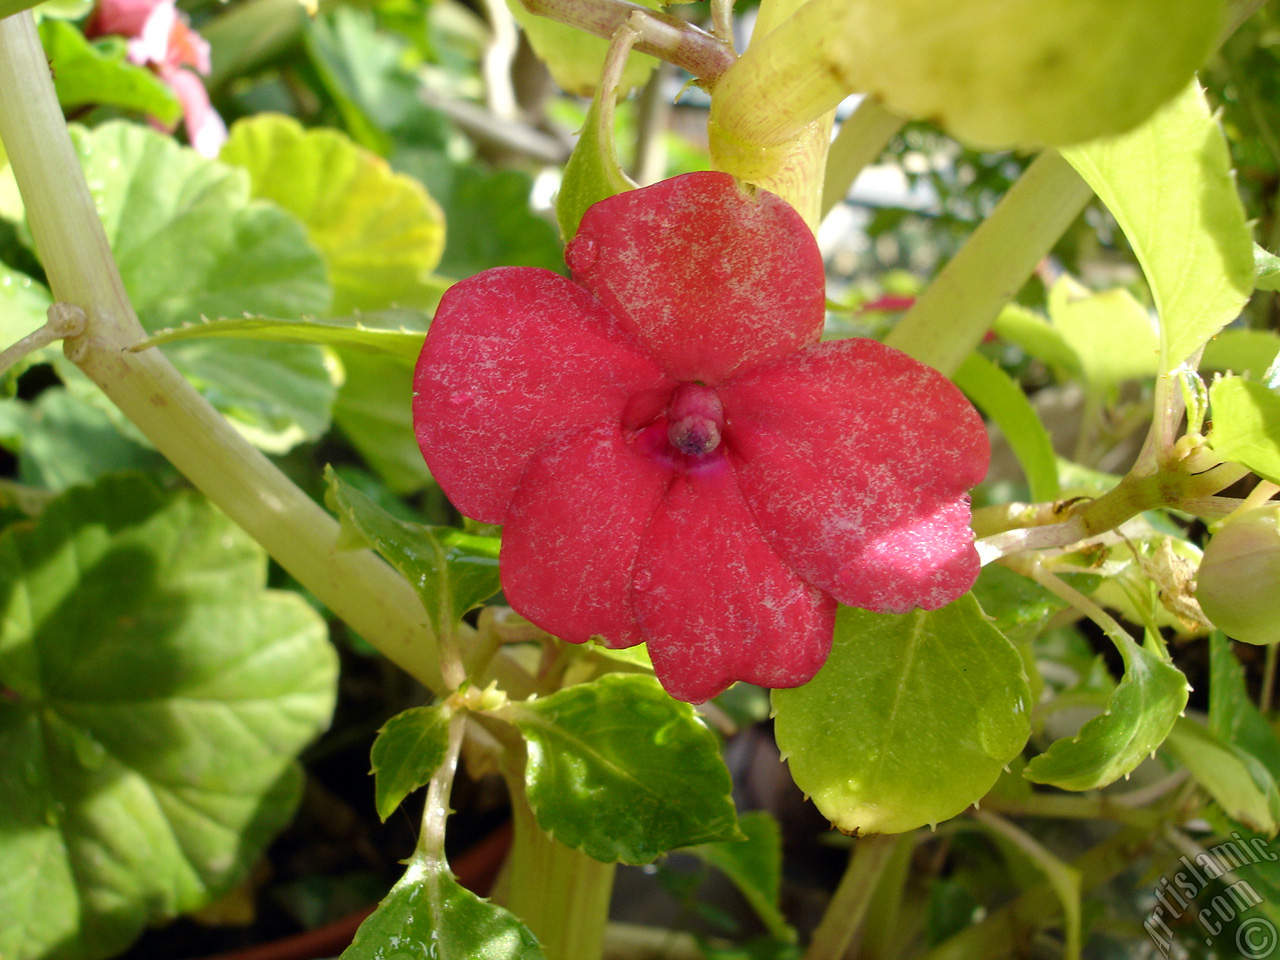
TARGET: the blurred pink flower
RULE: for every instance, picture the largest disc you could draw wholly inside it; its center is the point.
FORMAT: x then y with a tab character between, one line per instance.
160	38
674	456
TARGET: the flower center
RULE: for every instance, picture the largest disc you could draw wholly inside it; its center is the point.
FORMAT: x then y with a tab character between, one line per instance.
695	417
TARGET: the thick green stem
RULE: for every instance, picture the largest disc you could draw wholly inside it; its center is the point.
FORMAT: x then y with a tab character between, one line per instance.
861	139
958	307
842	921
560	894
356	585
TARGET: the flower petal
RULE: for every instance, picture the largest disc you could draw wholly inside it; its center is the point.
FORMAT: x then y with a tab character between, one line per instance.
715	601
573	531
856	460
515	356
710	276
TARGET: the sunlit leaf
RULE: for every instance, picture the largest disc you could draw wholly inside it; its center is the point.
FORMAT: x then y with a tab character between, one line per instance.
154	697
622	772
380	232
575	57
382	332
1141	713
1242	786
191	243
1246	425
90	73
1170	186
910	720
994	393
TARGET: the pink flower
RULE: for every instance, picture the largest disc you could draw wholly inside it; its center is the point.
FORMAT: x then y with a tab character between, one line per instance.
160	38
674	456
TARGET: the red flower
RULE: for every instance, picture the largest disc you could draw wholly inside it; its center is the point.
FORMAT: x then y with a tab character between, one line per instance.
675	457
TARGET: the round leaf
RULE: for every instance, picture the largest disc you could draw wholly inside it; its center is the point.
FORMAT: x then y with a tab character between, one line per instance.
910	720
622	772
380	232
154	697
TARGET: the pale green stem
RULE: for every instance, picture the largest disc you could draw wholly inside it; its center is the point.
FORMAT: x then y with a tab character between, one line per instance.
860	140
1095	806
65	322
356	585
1133	495
958	307
435	813
842	921
562	895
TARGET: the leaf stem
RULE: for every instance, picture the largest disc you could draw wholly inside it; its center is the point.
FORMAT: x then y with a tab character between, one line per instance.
435	813
661	35
842	921
65	322
956	310
561	894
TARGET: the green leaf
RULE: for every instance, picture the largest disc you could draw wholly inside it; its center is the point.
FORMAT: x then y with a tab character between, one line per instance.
1170	186
190	242
409	749
65	442
1034	334
375	412
910	720
994	393
1141	713
154	697
1241	785
1266	267
1248	353
363	69
428	914
1246	425
452	571
380	232
1110	332
491	222
622	772
187	236
23	306
276	394
380	333
95	73
755	867
1233	716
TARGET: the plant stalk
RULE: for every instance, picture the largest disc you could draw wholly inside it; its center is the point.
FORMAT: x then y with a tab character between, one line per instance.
842	922
956	310
560	894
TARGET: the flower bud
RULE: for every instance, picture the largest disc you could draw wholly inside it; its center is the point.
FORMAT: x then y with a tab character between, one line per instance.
1238	585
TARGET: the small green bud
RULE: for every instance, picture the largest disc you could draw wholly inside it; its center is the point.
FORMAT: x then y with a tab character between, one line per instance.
1238	585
